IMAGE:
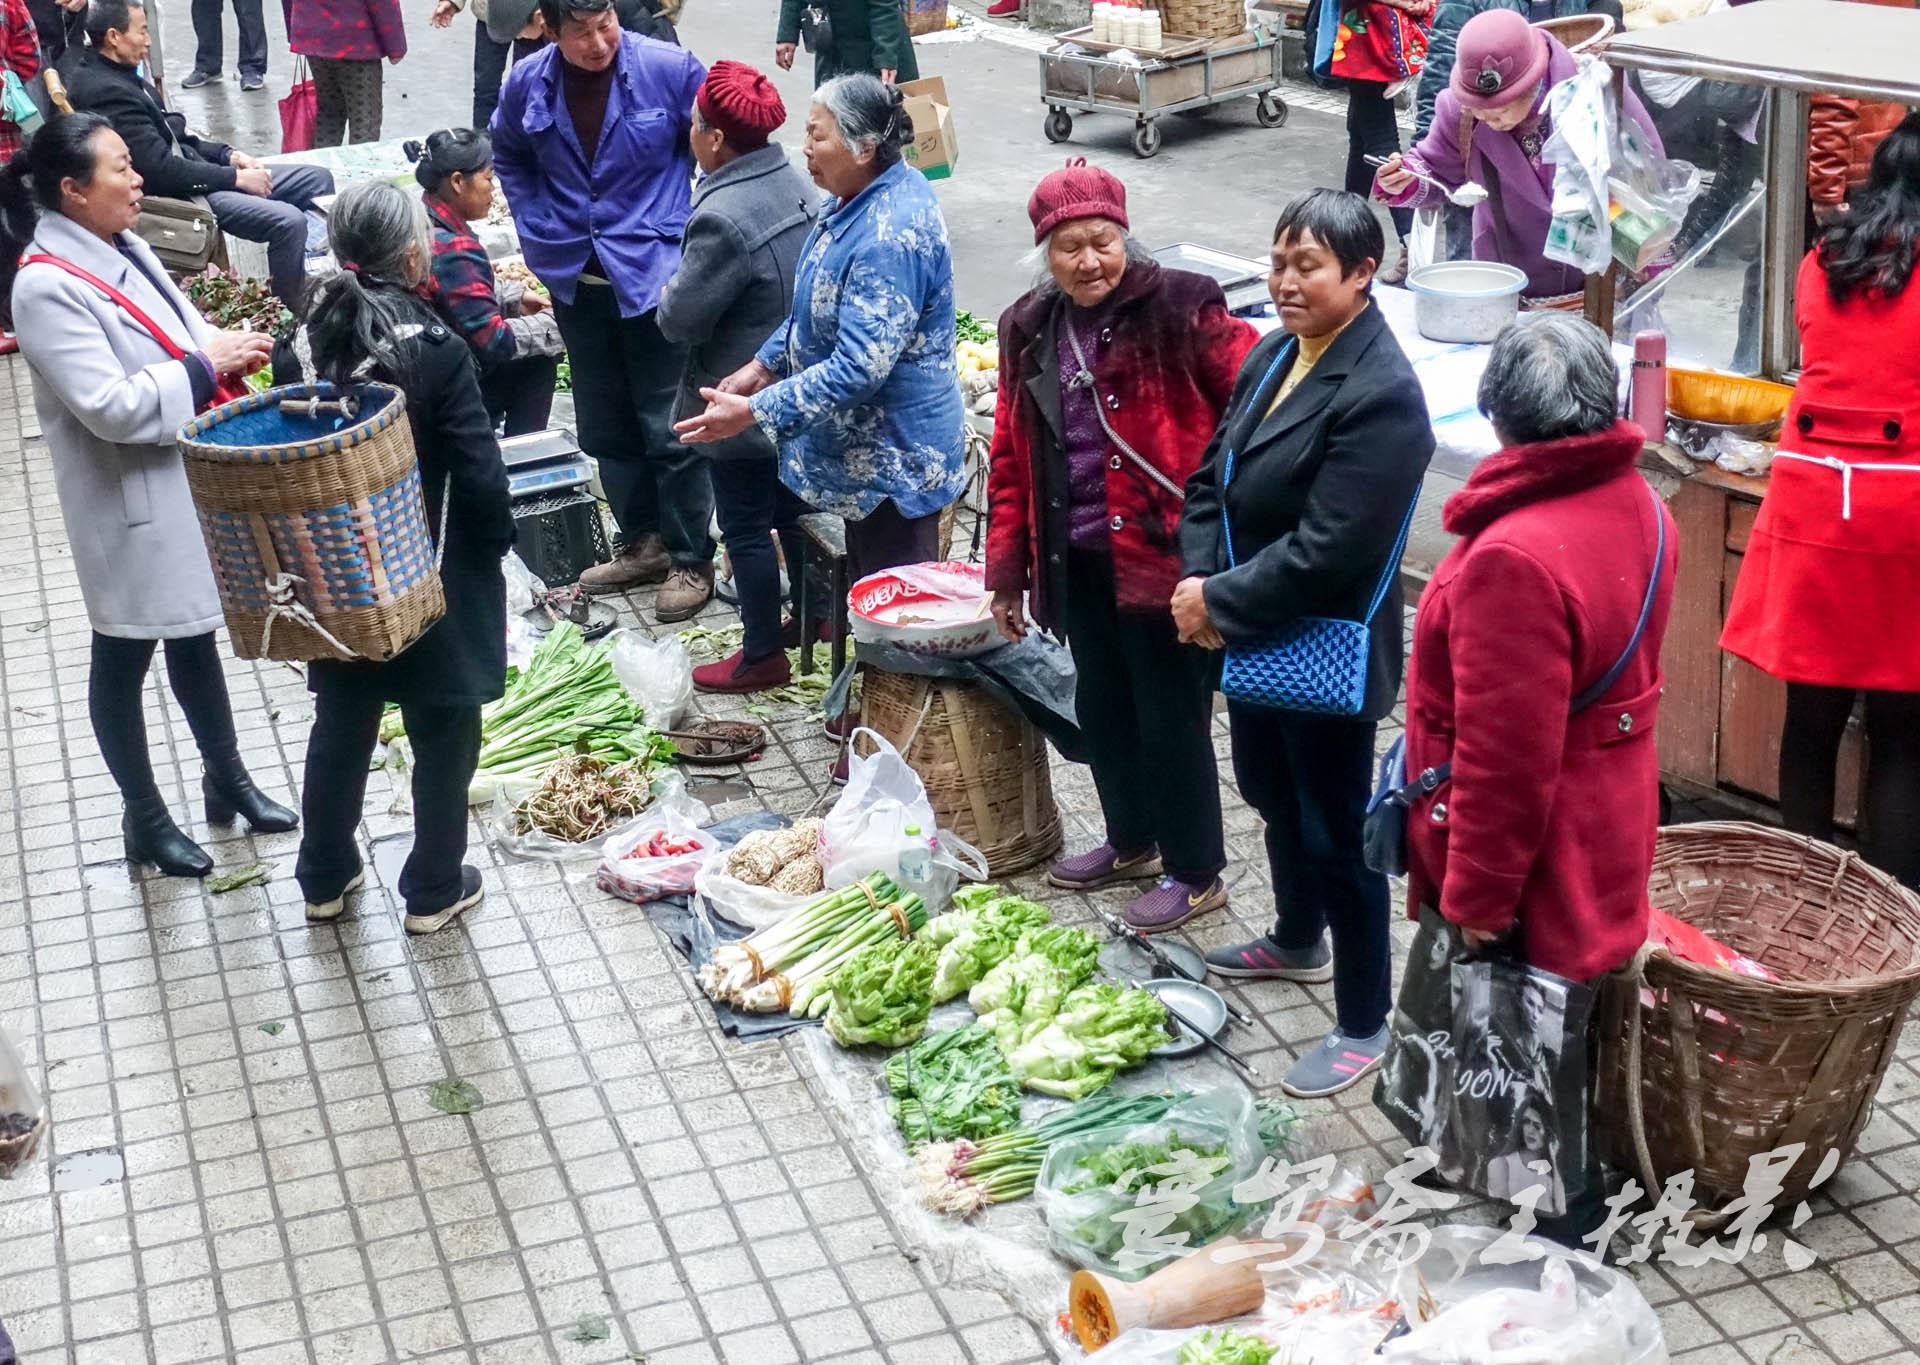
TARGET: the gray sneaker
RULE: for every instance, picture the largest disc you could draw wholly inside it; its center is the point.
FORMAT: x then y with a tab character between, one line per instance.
1263	959
1335	1063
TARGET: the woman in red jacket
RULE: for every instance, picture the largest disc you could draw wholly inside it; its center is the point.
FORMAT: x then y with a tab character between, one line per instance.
1542	839
345	41
1826	596
1114	372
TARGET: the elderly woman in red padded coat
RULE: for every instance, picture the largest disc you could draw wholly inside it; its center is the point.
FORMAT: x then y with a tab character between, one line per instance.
1827	594
1114	372
1543	837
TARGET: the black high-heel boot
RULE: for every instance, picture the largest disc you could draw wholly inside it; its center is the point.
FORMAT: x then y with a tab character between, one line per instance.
152	837
229	792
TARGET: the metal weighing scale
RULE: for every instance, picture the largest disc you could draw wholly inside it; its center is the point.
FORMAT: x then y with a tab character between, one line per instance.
544	462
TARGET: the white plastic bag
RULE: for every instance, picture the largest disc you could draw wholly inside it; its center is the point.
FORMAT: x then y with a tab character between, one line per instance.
867	827
669	793
640	879
656	673
524	587
738	902
1580	148
23	1113
1518	1327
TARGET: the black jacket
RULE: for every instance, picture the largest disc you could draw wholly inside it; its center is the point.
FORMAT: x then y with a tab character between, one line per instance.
1319	491
462	659
171	161
59	30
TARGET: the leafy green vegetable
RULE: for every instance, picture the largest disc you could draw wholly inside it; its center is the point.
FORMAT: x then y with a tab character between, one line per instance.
882	994
1279	1124
967	327
455	1096
253	874
952	1084
964	1177
1100	1029
1221	1346
230	302
273	1028
1072	951
1127	1166
1115	1173
590	1328
261	379
979	934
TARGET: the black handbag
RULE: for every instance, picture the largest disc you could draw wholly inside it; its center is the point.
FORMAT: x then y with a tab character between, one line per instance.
816	30
1384	838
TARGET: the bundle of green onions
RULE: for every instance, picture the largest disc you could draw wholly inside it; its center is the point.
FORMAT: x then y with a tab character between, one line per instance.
566	700
964	1177
789	965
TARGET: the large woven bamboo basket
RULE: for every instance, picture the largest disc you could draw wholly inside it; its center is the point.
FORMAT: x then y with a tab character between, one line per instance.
311	507
1707	1069
984	765
1203	18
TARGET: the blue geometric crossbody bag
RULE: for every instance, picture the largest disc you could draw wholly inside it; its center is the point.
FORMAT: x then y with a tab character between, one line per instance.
1317	664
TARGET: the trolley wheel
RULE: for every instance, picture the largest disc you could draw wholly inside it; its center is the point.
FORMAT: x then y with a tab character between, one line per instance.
1146	139
1059	125
1271	111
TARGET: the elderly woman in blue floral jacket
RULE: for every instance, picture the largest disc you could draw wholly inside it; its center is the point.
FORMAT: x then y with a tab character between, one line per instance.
858	388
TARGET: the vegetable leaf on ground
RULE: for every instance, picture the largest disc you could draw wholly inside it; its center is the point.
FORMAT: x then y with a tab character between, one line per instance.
590	1328
273	1028
251	875
455	1096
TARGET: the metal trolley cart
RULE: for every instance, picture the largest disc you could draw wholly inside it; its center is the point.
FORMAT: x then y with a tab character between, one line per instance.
1186	74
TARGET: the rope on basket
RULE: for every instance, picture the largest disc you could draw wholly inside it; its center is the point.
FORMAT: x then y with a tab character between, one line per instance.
281	602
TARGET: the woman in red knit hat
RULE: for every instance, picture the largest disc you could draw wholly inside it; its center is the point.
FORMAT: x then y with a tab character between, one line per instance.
751	214
1115	371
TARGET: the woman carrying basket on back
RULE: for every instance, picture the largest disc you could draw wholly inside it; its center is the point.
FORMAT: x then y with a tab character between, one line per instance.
369	322
121	361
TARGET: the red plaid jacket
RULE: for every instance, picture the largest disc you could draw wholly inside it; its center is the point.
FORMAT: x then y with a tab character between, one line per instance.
462	289
20	54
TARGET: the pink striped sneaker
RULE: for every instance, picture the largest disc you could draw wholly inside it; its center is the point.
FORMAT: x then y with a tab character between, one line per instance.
1263	958
1338	1062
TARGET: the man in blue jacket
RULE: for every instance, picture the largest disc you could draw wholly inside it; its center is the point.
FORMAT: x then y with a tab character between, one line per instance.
590	145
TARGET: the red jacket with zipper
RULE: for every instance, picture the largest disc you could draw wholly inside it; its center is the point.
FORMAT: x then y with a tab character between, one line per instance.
1163	380
1548	822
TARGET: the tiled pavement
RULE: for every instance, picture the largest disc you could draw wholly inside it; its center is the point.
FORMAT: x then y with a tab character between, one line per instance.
290	1195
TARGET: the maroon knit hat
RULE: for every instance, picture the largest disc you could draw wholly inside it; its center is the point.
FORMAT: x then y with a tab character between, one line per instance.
741	103
1079	191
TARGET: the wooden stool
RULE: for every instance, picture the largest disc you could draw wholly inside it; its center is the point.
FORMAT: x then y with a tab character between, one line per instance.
825	535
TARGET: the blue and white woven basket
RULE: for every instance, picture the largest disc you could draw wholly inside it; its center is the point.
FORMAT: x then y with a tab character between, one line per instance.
310	502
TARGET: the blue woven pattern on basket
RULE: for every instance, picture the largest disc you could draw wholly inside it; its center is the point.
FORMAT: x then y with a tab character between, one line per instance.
1316	665
342	552
254	430
237	571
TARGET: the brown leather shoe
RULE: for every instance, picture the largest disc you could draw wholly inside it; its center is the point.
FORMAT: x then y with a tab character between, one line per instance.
687	589
642	562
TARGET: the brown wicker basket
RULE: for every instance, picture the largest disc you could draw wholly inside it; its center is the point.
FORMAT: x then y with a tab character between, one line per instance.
924	16
1203	18
1709	1068
315	523
985	766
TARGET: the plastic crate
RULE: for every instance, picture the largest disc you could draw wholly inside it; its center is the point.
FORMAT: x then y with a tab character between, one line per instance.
561	535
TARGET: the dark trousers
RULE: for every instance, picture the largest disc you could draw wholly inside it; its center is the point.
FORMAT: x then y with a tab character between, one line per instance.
520	392
280	221
1309	777
1372	131
115	680
348	93
883	539
625	378
753	505
489	65
207	18
1145	706
1810	759
446	750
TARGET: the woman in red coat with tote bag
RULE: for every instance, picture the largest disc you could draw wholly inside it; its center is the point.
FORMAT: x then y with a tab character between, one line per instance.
1829	596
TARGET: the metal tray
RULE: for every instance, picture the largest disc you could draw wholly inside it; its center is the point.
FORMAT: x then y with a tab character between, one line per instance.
1202	1004
1228	269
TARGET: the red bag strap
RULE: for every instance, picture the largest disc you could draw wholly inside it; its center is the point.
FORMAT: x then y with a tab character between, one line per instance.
134	310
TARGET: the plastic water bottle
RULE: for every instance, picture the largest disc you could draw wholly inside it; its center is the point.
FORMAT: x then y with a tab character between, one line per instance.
1150	32
916	863
1102	22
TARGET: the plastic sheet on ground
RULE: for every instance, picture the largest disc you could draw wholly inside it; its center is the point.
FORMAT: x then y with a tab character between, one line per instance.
1003	1249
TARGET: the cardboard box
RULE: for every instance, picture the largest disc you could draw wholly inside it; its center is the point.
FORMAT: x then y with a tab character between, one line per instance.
934	148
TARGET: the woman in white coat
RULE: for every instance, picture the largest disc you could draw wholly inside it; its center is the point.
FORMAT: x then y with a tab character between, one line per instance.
112	397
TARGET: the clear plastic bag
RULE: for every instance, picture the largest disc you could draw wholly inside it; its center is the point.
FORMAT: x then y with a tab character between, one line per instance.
669	793
23	1113
641	879
524	587
738	902
656	673
1512	1326
1130	1222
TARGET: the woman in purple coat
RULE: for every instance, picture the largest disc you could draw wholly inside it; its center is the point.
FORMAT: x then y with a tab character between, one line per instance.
1490	125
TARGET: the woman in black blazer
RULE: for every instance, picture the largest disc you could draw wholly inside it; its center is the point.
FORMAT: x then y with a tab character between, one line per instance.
1331	438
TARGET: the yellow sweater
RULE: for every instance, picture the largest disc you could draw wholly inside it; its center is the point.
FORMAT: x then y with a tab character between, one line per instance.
1311	349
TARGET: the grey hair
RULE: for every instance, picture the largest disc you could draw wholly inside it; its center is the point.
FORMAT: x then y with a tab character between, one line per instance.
1550	375
381	239
1045	284
871	116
